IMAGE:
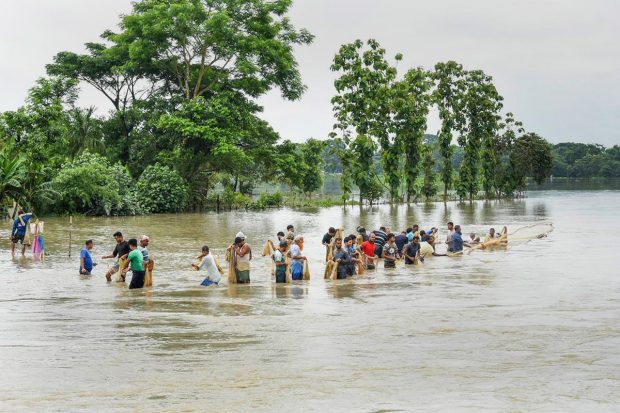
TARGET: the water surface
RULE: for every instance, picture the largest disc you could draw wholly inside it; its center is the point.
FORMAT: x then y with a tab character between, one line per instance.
531	328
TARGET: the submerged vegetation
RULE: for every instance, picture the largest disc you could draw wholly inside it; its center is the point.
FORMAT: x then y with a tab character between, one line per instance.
183	130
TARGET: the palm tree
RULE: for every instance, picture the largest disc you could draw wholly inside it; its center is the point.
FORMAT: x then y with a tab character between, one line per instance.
84	132
12	169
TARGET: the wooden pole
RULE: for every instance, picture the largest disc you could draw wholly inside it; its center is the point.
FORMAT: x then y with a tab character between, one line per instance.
70	231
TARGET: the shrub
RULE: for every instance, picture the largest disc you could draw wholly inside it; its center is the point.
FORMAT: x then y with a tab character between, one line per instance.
91	185
161	189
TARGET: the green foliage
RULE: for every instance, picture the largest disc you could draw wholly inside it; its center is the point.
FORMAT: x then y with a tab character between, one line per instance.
161	189
12	174
481	107
362	108
411	99
532	156
266	200
91	185
580	160
230	199
429	187
449	96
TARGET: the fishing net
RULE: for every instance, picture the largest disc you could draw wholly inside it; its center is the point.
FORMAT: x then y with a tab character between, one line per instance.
232	267
530	232
328	269
306	271
267	249
148	274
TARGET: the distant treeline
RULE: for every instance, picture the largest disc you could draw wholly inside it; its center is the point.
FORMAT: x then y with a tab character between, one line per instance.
581	160
570	160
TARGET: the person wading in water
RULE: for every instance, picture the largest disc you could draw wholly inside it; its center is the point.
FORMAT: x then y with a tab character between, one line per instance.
244	255
121	249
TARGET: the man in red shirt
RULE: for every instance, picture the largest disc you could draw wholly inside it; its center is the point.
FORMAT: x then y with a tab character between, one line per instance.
368	248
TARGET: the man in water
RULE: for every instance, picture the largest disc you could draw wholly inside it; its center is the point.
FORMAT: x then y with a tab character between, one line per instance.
341	256
20	225
401	241
244	255
362	232
144	244
410	234
207	263
369	249
290	233
380	240
490	236
136	265
456	244
390	251
86	260
279	257
473	240
297	260
412	251
427	249
327	239
349	245
121	250
450	234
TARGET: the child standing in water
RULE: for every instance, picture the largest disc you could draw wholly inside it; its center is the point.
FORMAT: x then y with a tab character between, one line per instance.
389	252
279	257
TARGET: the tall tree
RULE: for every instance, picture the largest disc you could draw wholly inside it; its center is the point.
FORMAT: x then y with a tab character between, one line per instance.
449	96
481	108
429	186
362	106
411	100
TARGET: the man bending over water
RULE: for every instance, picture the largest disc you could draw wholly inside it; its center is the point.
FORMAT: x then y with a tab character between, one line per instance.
121	250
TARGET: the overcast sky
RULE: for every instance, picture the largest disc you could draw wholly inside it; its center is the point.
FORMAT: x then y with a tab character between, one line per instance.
556	62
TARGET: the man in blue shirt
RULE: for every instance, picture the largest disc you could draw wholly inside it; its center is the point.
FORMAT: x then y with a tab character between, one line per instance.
20	225
86	260
457	240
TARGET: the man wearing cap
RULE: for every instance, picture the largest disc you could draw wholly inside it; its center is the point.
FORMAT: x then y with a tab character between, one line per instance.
144	243
148	263
280	259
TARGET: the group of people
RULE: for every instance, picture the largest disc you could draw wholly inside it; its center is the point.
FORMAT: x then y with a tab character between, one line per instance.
357	253
129	255
346	256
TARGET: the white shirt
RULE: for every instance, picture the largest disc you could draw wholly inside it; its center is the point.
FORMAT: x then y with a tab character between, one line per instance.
208	264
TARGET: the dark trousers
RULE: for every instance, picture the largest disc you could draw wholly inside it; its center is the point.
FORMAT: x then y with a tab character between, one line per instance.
281	274
137	280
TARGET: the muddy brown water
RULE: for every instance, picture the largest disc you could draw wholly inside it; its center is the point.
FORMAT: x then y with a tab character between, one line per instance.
534	328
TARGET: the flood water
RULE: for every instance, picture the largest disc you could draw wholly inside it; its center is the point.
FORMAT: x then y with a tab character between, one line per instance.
534	328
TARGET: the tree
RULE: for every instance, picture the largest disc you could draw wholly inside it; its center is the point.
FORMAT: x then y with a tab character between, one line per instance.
481	106
449	96
532	156
312	154
12	173
162	189
429	187
411	106
197	47
84	132
362	108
